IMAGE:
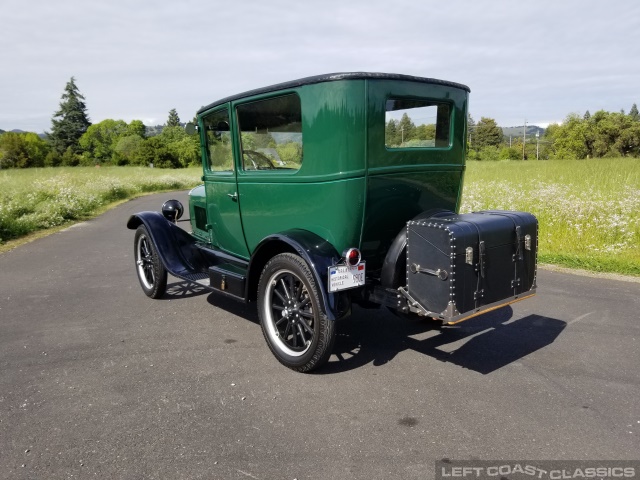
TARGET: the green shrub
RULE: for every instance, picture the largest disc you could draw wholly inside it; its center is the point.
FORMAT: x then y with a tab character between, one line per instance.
510	153
486	154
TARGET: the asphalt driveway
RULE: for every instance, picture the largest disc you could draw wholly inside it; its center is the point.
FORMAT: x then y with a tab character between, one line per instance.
97	380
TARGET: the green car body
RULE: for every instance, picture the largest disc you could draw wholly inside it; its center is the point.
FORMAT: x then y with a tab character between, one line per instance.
314	190
350	190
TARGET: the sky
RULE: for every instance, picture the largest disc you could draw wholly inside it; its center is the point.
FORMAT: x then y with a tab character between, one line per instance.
536	61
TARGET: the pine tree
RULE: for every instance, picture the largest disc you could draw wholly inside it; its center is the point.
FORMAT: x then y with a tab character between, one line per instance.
471	126
633	113
391	134
406	127
174	119
71	121
587	115
487	134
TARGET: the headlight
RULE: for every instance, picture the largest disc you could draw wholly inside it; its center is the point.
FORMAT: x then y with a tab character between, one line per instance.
172	210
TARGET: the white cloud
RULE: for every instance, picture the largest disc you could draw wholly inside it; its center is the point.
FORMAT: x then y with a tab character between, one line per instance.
138	60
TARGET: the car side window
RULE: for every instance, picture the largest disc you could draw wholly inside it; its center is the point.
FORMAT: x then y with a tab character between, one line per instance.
218	137
271	133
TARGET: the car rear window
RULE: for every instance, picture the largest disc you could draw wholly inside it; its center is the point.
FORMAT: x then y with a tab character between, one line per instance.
417	123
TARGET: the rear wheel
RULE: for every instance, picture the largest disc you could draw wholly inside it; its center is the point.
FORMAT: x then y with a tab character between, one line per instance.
149	267
294	326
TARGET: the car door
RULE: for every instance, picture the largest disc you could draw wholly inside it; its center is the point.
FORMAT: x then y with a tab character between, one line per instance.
223	204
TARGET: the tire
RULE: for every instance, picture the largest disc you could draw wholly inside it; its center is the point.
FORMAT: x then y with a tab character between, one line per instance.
149	267
296	329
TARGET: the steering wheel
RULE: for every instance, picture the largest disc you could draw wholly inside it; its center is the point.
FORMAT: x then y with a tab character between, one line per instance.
259	160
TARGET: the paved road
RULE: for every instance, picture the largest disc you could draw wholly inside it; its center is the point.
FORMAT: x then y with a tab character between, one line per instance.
97	380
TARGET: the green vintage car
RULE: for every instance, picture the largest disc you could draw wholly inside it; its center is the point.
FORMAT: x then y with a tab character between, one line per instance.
332	190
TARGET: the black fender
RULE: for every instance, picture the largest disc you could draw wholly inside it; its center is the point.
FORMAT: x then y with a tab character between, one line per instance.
316	251
176	248
394	267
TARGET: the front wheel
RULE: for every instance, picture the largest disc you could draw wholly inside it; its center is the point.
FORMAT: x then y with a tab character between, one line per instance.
294	326
149	267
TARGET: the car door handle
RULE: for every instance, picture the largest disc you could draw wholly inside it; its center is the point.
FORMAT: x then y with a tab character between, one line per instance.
233	196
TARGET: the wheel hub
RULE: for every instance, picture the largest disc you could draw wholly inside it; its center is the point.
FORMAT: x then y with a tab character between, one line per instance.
291	311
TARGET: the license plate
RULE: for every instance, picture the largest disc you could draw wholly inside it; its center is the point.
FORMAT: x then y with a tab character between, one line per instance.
342	277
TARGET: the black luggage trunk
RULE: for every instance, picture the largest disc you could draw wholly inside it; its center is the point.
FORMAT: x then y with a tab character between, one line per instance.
460	265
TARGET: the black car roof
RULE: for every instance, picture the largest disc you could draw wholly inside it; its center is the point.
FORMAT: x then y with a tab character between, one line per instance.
330	77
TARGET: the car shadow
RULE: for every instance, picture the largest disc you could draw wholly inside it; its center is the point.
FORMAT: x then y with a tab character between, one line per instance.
247	311
183	289
483	344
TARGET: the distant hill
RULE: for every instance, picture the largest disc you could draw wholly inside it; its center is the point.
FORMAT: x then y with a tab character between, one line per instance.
152	131
17	130
517	131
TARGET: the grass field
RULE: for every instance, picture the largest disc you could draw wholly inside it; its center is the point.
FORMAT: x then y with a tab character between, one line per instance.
588	210
42	198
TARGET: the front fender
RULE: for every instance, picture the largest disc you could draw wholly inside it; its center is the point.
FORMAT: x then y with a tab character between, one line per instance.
316	251
176	248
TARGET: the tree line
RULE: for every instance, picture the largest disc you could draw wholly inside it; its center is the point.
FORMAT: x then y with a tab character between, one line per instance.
74	140
404	133
601	135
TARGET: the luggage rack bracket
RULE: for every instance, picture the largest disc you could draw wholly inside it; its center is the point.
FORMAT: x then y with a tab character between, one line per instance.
451	316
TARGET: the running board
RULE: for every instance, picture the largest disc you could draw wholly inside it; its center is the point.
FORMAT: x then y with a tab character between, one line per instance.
228	279
201	279
218	272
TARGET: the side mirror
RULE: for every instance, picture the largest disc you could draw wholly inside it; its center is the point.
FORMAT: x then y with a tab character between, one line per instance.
190	128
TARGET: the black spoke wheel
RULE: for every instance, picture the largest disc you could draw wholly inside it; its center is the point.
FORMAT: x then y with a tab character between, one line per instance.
149	267
293	323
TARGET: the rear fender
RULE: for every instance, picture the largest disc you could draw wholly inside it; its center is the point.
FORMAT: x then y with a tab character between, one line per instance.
176	248
317	252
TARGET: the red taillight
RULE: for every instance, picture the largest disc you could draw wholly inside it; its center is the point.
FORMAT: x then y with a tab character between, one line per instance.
352	256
